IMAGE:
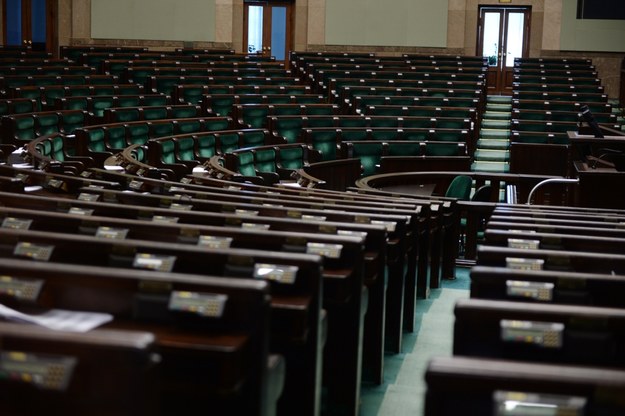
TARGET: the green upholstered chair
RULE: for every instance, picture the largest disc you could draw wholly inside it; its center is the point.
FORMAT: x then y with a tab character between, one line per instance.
154	113
206	146
123	115
216	123
185	148
116	137
100	103
228	142
291	157
289	128
324	141
265	159
137	133
404	148
185	126
460	188
252	138
442	149
369	154
162	129
95	139
254	116
72	119
46	123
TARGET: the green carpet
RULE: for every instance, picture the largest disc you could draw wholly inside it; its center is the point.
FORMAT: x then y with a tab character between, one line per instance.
403	391
492	155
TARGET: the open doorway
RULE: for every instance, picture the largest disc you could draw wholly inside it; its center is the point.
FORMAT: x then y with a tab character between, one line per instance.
503	35
268	28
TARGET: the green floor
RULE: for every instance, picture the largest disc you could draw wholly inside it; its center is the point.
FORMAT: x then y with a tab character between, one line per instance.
403	390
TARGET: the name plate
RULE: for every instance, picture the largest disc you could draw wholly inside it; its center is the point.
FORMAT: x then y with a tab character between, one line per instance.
390	225
332	251
214	241
207	305
16	223
33	251
80	211
47	372
276	273
181	207
524	264
352	233
22	289
543	334
165	219
54	183
21	177
156	262
83	196
314	217
512	403
254	226
523	244
530	290
111	233
245	212
522	231
135	185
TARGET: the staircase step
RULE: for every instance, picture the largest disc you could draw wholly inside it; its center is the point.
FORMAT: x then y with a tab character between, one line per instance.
496	124
494	167
499	99
496	115
491	155
490	144
498	107
500	134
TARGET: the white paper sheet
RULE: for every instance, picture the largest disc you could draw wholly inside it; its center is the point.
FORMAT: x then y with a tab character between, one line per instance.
59	320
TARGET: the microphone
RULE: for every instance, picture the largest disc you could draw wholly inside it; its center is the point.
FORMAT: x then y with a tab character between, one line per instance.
590	120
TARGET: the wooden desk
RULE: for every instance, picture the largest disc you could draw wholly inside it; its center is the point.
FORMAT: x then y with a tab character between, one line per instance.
601	187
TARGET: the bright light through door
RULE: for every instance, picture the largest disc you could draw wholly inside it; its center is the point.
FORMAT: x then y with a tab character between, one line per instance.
255	30
490	46
515	37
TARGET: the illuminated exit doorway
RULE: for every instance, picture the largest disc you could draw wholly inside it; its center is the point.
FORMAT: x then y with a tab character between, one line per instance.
268	28
503	35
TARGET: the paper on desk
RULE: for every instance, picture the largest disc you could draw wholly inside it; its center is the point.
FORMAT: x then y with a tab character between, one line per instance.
59	320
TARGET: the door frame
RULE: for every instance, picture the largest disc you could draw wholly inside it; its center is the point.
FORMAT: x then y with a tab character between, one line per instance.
499	79
267	27
51	22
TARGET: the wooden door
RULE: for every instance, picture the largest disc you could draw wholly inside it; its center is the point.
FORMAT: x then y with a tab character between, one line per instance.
29	23
503	35
268	29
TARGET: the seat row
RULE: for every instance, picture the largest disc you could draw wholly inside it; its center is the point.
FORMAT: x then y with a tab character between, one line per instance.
543	325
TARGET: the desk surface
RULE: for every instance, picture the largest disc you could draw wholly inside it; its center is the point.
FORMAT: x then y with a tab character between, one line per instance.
581	166
412	189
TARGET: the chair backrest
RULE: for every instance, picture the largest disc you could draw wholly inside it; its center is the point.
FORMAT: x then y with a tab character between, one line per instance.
460	188
482	194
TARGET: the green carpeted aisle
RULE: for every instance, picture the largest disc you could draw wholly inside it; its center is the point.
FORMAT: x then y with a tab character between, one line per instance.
403	390
492	154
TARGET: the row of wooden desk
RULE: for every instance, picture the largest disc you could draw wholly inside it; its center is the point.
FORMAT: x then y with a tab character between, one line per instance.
543	328
331	280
